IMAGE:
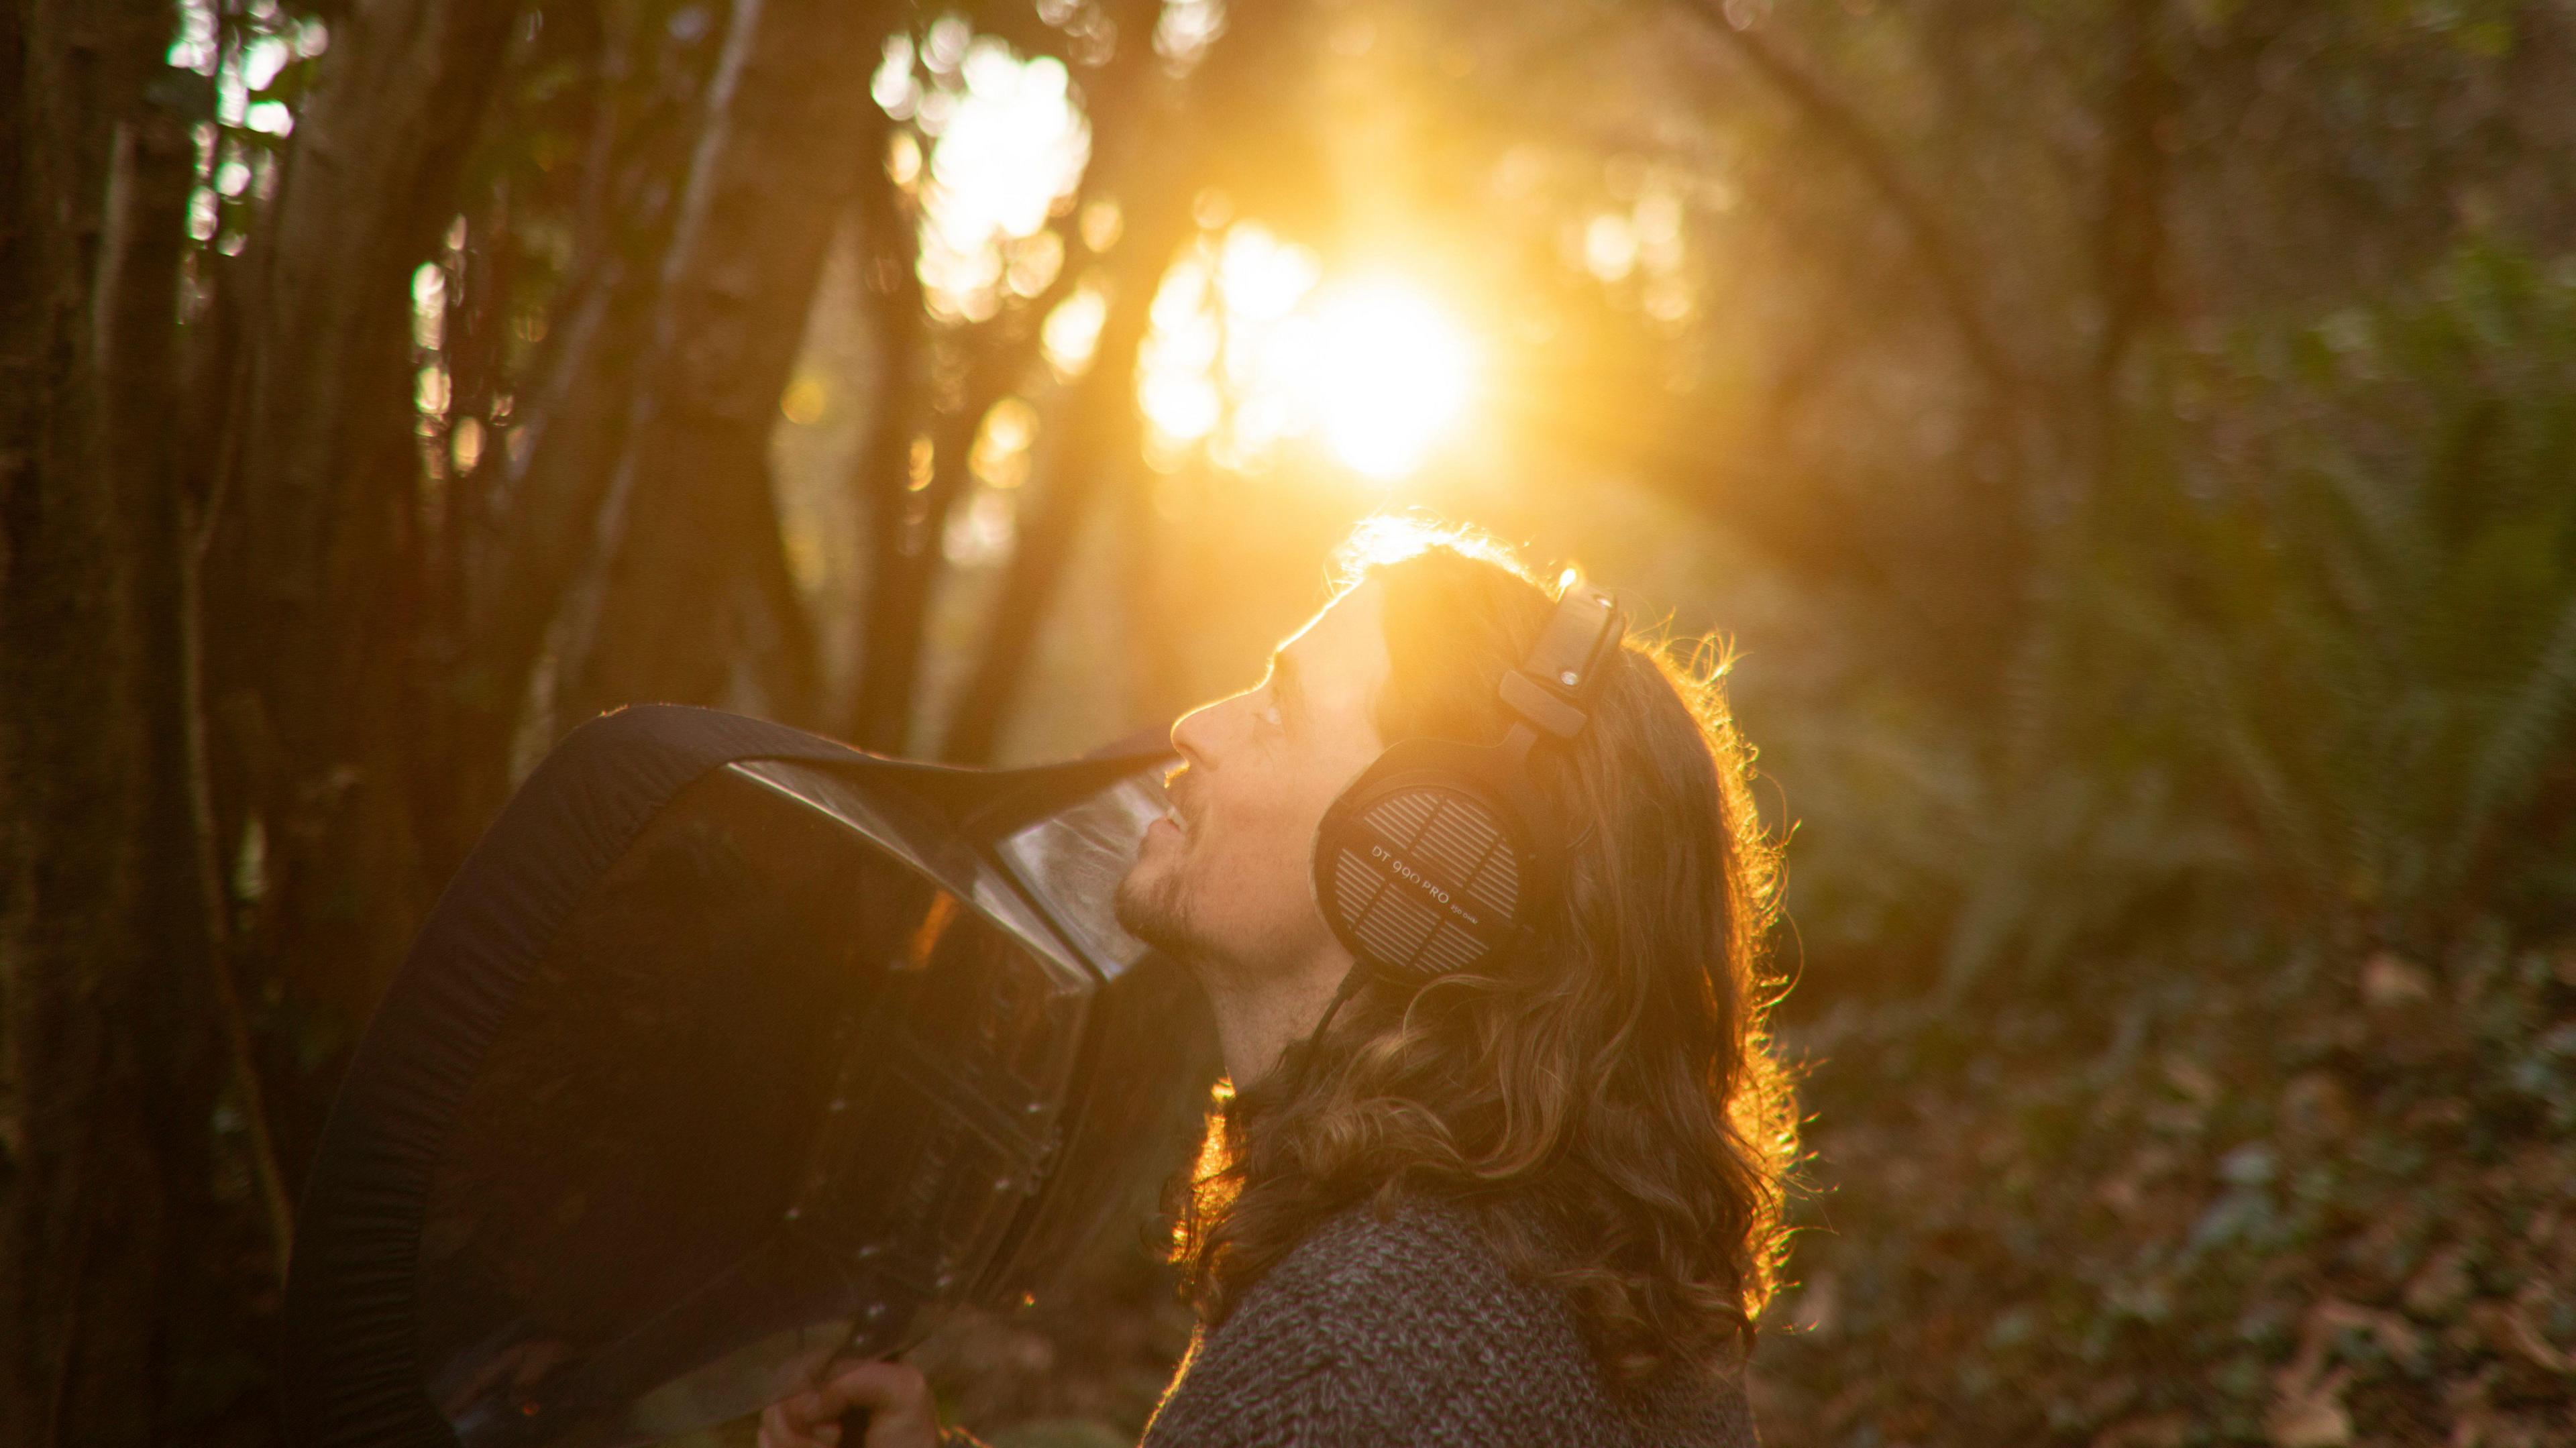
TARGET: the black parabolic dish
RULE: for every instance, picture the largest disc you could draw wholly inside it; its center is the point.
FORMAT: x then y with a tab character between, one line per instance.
728	1051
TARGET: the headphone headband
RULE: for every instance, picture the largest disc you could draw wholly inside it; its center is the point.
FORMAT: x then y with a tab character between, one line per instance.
1554	684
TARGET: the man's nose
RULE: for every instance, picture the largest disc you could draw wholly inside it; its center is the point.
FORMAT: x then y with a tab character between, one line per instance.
1194	734
1207	733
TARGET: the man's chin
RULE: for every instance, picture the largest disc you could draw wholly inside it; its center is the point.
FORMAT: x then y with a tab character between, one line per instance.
1149	907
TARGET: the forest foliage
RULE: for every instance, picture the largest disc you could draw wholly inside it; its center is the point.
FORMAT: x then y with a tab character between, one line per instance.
2129	444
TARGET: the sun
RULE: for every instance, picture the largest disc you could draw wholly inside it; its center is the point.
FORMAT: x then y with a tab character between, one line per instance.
1387	373
1253	344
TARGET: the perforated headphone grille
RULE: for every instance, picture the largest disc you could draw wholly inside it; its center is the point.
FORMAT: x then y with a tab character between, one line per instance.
1444	852
1427	880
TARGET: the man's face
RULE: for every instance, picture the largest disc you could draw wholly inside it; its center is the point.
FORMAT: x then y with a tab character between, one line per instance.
1225	880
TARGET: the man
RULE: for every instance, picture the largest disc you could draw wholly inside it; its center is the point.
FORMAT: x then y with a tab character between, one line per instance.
1532	1202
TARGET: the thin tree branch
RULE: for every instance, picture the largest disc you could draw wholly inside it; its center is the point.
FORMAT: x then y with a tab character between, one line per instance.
905	564
877	713
147	187
908	558
1935	249
1101	438
2129	237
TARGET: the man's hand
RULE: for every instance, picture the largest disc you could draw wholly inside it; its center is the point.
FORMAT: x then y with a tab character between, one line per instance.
895	1396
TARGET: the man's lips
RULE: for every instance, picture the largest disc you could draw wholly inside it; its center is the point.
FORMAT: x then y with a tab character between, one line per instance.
1176	810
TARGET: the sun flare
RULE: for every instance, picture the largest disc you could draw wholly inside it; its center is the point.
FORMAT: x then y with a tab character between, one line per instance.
1252	346
1388	375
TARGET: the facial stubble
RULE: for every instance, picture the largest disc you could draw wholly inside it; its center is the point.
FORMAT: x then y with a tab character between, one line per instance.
1157	912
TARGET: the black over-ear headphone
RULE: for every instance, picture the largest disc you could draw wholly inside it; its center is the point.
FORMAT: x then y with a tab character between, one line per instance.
1442	854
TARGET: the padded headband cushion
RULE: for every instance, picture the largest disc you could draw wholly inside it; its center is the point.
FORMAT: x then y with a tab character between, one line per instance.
1555	681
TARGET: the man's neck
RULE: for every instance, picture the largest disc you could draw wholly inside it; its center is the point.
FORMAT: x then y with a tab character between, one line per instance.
1260	1014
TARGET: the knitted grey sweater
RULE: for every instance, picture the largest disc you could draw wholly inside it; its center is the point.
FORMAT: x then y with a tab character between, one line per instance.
1410	1331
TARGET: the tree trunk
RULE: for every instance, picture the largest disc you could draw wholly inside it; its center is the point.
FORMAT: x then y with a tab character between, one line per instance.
878	714
314	571
571	407
685	587
106	1079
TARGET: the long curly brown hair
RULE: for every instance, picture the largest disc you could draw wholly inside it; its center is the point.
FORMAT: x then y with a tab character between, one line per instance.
1604	1103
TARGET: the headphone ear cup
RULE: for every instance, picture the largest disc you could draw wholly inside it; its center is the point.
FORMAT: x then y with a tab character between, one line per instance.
1424	865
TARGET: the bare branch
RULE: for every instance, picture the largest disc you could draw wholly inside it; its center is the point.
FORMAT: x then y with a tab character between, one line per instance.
1103	437
1935	249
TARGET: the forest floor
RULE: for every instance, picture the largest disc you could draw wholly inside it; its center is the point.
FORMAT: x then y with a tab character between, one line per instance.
2314	1206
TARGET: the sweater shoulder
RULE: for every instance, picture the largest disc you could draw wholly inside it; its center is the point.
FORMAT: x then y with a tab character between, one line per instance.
1401	1325
1386	1327
1418	1284
1379	1260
